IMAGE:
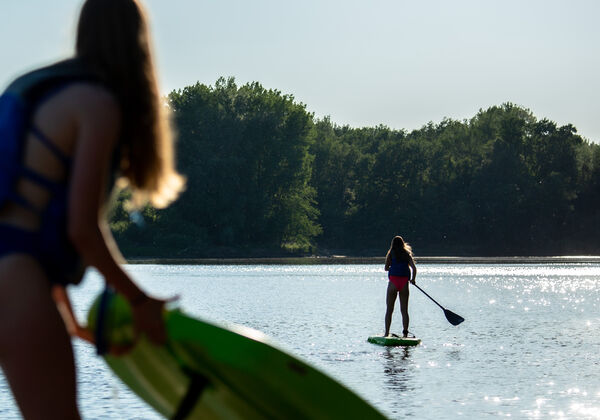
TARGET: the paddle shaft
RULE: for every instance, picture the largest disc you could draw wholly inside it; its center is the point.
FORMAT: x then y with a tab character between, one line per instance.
434	301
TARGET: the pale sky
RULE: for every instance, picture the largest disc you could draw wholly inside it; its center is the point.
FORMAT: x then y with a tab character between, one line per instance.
363	63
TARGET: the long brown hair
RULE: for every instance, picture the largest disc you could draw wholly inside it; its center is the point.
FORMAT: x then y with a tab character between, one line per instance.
113	39
400	249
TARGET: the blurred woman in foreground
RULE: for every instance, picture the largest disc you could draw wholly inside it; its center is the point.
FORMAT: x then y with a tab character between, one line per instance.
99	123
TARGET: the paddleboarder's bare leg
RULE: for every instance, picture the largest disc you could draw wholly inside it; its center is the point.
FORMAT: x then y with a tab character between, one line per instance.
35	349
403	296
390	301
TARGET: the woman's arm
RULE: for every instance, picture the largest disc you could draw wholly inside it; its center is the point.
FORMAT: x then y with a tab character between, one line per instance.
98	118
413	270
63	303
388	262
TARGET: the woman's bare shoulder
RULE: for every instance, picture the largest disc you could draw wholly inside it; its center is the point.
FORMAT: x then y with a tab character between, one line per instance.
93	105
92	95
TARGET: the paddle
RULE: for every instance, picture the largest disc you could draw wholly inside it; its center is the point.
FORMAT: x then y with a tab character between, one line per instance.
452	318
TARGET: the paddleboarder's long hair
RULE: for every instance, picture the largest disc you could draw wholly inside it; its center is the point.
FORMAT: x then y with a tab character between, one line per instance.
113	39
400	249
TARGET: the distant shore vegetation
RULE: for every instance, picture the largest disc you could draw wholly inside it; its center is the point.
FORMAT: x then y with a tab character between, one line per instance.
266	178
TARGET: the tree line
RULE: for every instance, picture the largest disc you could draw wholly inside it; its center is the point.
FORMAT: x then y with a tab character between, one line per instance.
267	178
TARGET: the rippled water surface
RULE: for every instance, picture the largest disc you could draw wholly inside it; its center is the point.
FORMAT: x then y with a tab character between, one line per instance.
529	348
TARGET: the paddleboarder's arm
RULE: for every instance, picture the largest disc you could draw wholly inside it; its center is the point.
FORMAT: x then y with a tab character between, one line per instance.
388	262
413	270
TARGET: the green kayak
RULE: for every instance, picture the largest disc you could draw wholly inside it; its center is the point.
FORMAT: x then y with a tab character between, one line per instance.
207	371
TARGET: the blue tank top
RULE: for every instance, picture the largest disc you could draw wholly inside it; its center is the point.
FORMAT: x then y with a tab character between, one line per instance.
399	268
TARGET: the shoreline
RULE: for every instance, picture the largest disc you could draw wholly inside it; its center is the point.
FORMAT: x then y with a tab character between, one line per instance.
340	259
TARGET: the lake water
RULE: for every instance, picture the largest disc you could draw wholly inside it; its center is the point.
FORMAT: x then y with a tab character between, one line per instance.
529	348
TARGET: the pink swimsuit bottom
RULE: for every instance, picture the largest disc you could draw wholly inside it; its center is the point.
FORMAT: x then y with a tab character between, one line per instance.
398	281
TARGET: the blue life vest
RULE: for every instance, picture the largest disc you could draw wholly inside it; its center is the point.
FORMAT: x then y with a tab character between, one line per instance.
17	105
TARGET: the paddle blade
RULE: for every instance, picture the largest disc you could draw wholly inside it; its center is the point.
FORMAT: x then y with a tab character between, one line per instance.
453	318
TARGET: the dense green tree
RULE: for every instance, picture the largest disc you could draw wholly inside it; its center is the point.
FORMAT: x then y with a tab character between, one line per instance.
265	178
244	151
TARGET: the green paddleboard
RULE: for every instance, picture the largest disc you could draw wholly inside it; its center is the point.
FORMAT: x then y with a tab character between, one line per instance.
206	371
391	340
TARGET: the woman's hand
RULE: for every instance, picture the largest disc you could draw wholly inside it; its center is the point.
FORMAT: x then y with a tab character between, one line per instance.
148	318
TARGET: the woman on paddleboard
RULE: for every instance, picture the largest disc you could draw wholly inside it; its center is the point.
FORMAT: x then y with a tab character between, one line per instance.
86	123
400	265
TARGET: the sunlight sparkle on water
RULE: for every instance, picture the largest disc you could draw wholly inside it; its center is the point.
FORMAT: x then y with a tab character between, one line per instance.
585	411
541	271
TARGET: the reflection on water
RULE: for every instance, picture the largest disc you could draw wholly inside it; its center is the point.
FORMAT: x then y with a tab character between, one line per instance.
453	352
397	369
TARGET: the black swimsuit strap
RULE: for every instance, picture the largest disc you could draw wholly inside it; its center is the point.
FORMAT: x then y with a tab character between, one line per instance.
35	176
66	160
40	179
